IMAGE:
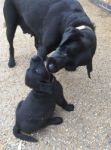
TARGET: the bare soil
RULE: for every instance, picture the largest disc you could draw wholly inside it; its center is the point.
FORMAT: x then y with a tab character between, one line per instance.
88	127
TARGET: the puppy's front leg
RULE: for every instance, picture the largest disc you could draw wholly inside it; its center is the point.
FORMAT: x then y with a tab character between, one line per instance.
63	103
60	100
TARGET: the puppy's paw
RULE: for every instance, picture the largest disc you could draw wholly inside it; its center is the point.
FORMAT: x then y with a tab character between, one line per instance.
69	107
55	121
58	120
11	63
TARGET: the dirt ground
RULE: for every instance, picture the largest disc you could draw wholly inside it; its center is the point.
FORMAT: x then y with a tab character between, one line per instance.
86	128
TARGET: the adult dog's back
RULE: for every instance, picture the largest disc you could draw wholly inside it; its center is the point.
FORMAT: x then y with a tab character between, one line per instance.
46	20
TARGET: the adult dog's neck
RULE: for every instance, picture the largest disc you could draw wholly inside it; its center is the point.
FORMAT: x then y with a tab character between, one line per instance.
78	19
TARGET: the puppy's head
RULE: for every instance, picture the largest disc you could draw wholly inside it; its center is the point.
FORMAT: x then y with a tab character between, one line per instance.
37	77
37	66
76	49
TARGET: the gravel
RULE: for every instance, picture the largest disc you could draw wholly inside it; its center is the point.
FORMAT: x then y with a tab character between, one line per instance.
86	128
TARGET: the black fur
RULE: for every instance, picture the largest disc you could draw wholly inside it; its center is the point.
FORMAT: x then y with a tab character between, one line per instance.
52	23
37	110
76	49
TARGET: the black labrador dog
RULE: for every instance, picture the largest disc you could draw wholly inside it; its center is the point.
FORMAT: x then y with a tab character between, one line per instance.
38	108
56	24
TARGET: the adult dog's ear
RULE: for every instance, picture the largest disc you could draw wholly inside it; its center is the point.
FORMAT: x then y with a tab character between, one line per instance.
89	68
85	58
70	34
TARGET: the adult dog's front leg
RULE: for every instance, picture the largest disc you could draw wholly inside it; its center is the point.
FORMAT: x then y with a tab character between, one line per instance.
11	24
41	50
50	39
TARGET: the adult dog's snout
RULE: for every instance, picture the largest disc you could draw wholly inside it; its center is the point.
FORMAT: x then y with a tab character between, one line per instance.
57	61
51	65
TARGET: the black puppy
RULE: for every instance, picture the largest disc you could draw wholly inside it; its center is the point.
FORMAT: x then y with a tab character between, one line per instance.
61	24
37	110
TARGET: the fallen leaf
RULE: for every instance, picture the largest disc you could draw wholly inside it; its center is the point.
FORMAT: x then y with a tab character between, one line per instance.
20	145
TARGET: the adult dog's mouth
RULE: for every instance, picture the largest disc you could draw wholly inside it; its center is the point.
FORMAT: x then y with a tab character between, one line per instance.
55	64
70	68
57	60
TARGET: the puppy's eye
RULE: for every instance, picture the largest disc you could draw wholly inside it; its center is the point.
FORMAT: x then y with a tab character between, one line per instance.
33	70
64	54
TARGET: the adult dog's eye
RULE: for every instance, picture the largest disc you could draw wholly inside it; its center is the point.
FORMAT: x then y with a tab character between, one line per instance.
36	70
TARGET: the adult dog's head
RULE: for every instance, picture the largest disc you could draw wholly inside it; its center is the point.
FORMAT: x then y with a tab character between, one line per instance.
76	49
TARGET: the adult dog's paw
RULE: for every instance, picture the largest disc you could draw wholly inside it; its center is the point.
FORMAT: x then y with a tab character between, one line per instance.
11	63
69	107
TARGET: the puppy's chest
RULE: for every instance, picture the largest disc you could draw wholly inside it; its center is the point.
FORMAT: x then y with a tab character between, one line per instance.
38	107
40	114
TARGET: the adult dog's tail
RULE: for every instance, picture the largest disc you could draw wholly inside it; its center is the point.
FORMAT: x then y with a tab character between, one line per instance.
18	134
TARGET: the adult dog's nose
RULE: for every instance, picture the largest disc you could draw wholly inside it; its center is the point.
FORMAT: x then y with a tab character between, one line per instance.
51	65
51	68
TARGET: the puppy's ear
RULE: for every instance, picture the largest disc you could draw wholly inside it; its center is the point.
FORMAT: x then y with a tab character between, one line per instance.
37	63
36	58
70	34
